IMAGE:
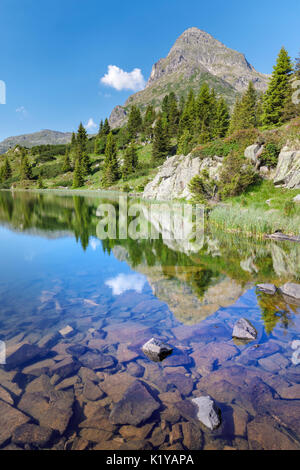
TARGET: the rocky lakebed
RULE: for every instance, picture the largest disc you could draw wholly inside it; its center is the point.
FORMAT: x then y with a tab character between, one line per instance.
122	345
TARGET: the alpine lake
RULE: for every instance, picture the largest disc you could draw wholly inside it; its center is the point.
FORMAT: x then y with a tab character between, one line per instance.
76	310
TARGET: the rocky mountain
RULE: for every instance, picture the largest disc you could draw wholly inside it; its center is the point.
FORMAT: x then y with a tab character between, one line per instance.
43	137
195	58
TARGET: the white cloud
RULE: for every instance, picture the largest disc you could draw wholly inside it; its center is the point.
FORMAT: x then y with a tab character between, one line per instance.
91	125
22	111
121	80
94	244
123	282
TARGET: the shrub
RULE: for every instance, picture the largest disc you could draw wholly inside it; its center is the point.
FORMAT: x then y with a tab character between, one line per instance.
202	188
236	176
269	156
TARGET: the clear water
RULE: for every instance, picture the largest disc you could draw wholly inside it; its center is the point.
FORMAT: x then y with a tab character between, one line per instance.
117	294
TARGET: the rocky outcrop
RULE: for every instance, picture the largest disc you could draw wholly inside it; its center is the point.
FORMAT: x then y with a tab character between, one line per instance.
174	176
288	168
253	152
117	117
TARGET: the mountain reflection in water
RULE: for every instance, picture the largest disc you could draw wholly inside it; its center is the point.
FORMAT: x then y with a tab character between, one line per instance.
116	294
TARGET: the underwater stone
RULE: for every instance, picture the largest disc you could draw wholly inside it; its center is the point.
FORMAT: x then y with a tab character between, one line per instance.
244	330
156	350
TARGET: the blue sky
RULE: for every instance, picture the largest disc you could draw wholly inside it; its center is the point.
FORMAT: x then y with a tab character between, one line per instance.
54	53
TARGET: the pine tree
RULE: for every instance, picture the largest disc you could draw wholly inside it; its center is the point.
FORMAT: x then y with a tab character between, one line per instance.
67	162
188	115
111	165
81	140
78	179
235	120
185	143
161	144
106	127
135	122
222	118
148	121
100	128
73	140
130	161
26	171
248	110
6	172
278	91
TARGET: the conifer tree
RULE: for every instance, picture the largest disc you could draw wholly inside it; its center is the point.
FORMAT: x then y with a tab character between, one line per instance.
111	165
100	128
222	118
78	179
134	125
188	115
130	161
185	143
81	140
278	91
100	141
6	172
26	171
161	144
67	162
106	127
148	121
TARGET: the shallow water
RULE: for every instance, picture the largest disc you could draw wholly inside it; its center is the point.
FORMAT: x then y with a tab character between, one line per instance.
116	295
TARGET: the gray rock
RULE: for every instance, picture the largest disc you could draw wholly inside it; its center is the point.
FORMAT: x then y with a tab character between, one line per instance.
291	290
136	406
208	412
244	330
253	152
156	350
288	168
297	199
173	177
267	288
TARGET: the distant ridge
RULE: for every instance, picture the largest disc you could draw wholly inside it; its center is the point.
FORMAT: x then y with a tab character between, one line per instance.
195	58
43	137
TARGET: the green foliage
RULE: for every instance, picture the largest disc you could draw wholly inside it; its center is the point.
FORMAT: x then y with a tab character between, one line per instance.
67	162
6	172
246	111
185	143
269	156
26	170
130	161
161	145
202	188
111	165
279	90
135	122
289	208
78	179
148	121
236	176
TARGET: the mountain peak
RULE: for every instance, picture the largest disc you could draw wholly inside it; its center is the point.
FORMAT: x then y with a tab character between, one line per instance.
196	57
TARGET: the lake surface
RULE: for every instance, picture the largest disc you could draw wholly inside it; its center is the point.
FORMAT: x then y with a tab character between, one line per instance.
75	312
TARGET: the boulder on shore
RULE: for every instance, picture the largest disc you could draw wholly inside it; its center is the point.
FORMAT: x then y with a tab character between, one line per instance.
267	288
291	290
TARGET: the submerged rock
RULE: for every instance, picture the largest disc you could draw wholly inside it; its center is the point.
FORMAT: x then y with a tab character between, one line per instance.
267	288
291	290
25	354
136	406
243	329
156	350
208	412
10	420
32	435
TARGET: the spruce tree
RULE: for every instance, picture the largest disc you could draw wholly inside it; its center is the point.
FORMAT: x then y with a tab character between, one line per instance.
278	91
134	125
188	115
26	171
222	118
248	109
6	172
148	121
67	162
78	179
106	127
161	144
111	165
81	140
185	143
130	161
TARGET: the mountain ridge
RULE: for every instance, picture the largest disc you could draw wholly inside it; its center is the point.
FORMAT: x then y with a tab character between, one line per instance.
194	58
42	137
